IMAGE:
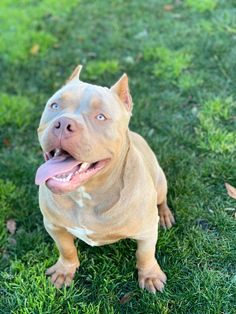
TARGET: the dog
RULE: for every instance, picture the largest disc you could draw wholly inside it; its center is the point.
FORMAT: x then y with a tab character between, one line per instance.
100	181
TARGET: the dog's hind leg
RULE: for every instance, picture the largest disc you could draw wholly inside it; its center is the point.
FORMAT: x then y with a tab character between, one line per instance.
167	219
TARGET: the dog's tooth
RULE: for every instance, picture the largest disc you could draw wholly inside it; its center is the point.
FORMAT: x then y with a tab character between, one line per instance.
57	152
84	166
56	178
63	177
69	176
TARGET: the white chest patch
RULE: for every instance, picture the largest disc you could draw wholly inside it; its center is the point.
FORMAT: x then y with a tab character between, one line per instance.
81	196
82	234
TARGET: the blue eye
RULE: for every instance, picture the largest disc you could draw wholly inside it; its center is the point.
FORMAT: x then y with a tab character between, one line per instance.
55	106
101	117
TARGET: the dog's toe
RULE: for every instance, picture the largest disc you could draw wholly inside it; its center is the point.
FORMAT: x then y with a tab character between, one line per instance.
153	279
62	275
167	220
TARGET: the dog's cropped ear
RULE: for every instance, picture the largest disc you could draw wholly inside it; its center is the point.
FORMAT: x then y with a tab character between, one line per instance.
121	88
75	74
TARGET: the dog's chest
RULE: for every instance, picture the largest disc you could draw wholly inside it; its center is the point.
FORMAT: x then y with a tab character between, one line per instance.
84	222
82	233
95	238
82	217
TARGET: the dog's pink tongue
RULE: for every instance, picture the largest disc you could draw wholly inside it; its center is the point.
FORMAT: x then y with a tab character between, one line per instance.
53	167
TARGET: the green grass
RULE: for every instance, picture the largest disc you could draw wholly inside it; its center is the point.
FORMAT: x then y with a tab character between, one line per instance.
181	63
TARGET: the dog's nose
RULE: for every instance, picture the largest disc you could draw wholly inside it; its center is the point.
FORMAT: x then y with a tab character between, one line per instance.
64	127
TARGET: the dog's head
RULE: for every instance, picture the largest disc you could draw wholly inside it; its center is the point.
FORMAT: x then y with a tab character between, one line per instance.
82	132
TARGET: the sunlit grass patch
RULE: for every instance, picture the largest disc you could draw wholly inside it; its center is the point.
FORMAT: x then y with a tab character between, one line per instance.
189	80
207	27
39	300
15	110
23	27
168	64
214	135
96	69
202	5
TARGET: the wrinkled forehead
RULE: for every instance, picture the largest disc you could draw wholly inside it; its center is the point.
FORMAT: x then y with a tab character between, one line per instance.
87	97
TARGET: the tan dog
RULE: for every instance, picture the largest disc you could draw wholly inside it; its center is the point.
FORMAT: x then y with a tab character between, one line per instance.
100	182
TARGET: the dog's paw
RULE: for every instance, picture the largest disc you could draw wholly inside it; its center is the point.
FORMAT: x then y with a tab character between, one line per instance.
62	274
153	279
167	219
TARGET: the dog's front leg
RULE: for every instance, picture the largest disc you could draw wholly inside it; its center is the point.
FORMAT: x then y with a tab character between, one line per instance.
150	275
63	271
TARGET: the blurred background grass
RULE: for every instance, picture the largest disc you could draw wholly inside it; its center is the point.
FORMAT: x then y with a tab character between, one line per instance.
180	57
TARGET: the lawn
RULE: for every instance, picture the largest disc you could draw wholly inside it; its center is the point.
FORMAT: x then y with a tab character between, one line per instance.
180	57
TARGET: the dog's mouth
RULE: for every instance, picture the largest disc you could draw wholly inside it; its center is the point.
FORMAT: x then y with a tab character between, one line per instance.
62	172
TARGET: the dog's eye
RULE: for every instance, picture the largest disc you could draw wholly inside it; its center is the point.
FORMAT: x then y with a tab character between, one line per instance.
55	106
101	117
